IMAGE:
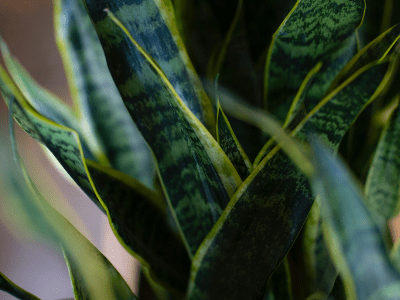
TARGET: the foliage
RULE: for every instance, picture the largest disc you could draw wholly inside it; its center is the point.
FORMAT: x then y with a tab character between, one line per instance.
207	132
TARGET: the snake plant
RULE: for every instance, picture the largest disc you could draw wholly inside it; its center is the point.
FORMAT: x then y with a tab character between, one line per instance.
209	133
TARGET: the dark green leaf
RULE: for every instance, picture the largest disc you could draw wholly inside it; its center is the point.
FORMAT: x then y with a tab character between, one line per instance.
313	31
279	285
355	242
266	214
96	96
198	177
10	287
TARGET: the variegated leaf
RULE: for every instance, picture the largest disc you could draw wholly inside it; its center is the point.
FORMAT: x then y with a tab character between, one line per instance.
198	177
313	31
276	192
96	96
355	242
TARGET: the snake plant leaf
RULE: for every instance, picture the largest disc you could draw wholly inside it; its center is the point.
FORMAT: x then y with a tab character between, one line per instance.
92	275
355	241
152	25
49	105
276	192
313	31
375	50
184	149
10	287
231	146
394	255
141	226
97	96
279	286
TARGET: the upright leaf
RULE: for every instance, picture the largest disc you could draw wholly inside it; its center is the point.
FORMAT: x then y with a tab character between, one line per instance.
313	31
96	95
355	241
152	25
198	177
247	235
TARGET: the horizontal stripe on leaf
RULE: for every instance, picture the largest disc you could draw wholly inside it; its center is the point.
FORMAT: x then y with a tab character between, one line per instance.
43	101
152	25
313	31
276	192
141	226
197	175
10	287
96	96
355	242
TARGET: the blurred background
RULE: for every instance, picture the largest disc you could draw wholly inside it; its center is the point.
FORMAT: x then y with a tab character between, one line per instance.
27	27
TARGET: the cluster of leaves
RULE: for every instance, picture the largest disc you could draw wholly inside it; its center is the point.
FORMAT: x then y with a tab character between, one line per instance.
219	206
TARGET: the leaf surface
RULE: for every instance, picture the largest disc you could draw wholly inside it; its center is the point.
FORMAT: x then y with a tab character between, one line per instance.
356	244
313	31
10	287
96	96
246	239
196	174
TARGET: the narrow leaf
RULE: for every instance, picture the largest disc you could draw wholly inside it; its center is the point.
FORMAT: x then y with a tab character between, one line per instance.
152	25
276	192
10	287
313	31
185	151
96	96
355	241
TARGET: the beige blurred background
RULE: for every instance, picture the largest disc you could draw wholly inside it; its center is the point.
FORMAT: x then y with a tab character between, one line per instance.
27	27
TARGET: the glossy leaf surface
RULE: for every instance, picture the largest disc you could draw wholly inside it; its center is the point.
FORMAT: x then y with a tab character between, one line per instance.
96	95
197	175
276	192
356	243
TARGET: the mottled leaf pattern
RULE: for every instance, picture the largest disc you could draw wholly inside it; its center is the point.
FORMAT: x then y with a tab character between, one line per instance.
231	146
313	31
10	287
96	95
247	235
141	227
355	241
151	23
197	175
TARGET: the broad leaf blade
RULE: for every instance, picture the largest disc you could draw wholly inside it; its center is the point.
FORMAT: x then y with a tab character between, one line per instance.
276	192
152	25
197	175
97	97
313	31
355	241
10	287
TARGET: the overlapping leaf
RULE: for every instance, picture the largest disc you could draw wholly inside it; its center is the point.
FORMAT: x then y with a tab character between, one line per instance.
152	25
313	31
92	275
354	239
10	287
96	95
64	143
197	175
264	217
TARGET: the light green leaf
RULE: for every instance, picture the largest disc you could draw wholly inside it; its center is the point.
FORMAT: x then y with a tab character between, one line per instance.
97	99
152	25
276	192
92	275
231	146
196	174
313	31
383	181
355	242
10	287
